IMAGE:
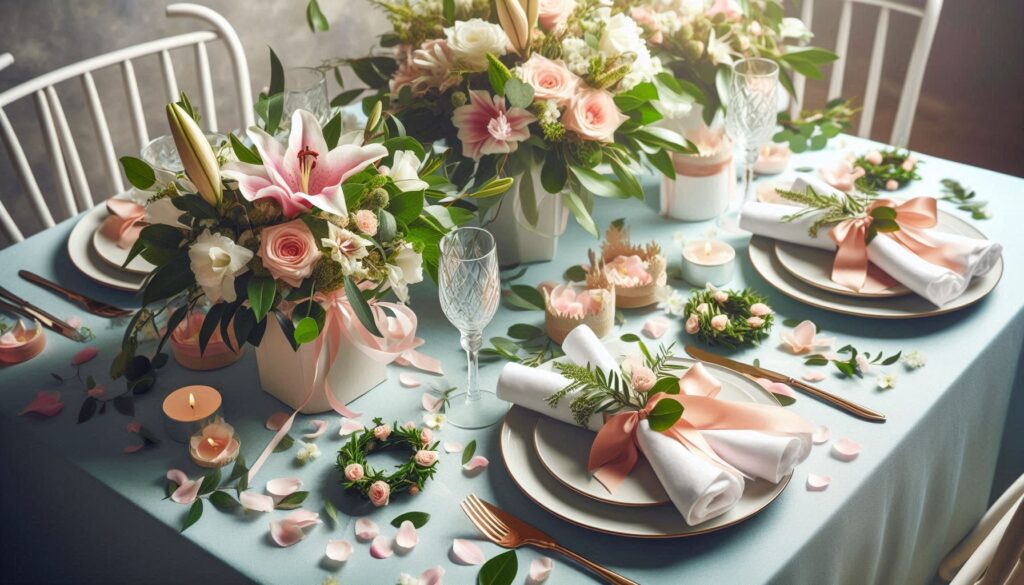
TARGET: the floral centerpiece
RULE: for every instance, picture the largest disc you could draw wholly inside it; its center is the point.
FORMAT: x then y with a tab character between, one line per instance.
300	241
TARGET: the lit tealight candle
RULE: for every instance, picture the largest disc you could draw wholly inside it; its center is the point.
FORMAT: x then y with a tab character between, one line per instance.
214	446
707	261
187	410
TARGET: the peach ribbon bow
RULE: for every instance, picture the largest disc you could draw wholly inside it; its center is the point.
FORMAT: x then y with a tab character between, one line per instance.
615	452
126	221
850	267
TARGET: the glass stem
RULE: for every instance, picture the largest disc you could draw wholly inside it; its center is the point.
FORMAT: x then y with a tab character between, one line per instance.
472	341
748	173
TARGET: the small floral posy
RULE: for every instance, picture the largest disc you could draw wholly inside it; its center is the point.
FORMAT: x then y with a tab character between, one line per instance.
728	317
376	485
856	363
889	170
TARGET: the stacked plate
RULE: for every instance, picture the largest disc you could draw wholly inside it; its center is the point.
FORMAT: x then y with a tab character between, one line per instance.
100	258
547	460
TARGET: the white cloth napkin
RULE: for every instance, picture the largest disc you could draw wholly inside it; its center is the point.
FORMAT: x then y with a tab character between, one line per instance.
762	455
530	388
937	284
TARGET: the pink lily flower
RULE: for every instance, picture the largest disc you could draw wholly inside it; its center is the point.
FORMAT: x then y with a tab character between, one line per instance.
305	174
486	127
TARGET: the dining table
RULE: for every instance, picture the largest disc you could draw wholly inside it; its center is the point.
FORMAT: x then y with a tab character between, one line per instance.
78	509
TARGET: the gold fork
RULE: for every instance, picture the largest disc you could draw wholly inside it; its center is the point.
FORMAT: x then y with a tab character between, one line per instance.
505	530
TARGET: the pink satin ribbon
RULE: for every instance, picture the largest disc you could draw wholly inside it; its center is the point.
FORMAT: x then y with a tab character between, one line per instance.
850	267
126	221
615	451
20	344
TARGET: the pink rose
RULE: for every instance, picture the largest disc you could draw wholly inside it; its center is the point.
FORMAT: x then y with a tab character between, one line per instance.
380	493
426	457
551	79
289	251
719	322
891	185
366	221
863	365
874	157
692	324
755	322
353	472
908	165
553	13
643	379
426	436
593	115
720	296
382	432
760	310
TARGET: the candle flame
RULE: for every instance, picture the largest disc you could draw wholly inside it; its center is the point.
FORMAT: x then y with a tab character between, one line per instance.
211	442
191	400
707	248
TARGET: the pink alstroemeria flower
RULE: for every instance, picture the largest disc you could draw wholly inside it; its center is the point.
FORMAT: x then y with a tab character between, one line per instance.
304	174
486	127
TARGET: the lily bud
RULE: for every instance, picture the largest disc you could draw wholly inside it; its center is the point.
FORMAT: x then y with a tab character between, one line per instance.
196	154
518	18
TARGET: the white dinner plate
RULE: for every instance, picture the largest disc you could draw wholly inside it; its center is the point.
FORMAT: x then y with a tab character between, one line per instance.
115	255
582	509
85	257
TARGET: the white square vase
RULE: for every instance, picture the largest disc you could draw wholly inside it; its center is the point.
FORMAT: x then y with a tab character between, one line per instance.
287	375
518	242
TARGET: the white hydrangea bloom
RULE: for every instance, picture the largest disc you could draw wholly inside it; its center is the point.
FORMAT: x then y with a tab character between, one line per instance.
307	452
915	359
577	54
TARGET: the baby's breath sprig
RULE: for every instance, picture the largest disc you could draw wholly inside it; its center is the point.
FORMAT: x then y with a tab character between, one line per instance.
728	317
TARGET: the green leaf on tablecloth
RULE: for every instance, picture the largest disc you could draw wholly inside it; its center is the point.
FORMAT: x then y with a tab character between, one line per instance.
892	359
816	360
522	331
125	404
630	337
418	519
527	296
791	322
238	470
262	293
575	274
169	489
224	501
138	172
668	385
664	414
315	18
286	443
210	482
499	570
193	516
88	409
620	318
292	501
331	510
468	451
783	399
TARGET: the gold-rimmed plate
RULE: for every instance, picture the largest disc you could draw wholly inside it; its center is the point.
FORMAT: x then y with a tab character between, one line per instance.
85	257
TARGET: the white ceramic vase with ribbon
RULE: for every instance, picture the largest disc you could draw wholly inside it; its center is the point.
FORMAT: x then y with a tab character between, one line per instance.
520	239
704	183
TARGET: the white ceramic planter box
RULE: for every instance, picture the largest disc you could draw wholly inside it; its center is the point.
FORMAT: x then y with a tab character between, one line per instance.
516	240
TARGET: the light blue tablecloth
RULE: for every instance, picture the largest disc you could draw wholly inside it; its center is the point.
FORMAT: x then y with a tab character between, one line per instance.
76	509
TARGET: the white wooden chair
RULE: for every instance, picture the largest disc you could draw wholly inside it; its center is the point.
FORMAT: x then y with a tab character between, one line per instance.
929	15
64	160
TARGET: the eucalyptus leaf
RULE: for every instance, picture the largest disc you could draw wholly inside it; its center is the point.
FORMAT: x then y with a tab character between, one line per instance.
418	519
468	451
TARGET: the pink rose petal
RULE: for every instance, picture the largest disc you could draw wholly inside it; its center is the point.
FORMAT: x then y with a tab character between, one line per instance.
303	518
133	427
477	463
366	529
284	486
74	320
98	391
821	435
813	376
381	548
817	483
134	448
776	387
408	380
349	426
338	550
84	356
177	476
540	569
285	533
256	502
46	403
845	450
452	447
319	428
277	420
407	539
655	327
432	576
466	552
187	490
431	403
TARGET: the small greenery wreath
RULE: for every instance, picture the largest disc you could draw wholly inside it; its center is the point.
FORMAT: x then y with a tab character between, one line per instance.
886	170
728	317
411	476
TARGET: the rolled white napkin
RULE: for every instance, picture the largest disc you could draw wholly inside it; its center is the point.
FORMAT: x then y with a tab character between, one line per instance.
530	388
933	282
763	455
583	347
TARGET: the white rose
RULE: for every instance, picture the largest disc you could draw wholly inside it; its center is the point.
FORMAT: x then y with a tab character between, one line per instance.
216	260
621	35
406	268
471	40
794	28
404	171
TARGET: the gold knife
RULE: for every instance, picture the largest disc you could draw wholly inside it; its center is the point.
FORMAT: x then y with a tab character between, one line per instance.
22	307
757	372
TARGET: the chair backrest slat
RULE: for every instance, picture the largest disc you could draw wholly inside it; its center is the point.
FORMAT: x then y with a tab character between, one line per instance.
206	88
24	171
170	81
131	88
55	152
106	145
799	81
835	83
915	73
874	73
70	149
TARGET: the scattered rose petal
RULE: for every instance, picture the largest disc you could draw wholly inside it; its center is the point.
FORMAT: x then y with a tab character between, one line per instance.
407	539
381	548
134	448
408	380
74	320
655	327
845	450
187	490
285	533
817	483
303	518
466	552
338	550
277	420
452	447
133	427
431	403
349	426
256	502
284	486
432	576
804	337
84	356
98	391
540	569
776	387
46	403
319	428
813	376
366	529
477	463
821	435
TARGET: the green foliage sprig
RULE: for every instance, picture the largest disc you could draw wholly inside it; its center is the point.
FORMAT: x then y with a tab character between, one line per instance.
409	476
891	168
748	317
832	208
526	344
852	366
812	129
964	199
214	488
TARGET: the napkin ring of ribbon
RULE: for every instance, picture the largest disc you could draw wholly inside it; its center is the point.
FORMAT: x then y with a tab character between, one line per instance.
850	267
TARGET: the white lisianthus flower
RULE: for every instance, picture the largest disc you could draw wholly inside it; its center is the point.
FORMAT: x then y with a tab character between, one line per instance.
719	51
405	268
404	171
621	35
887	381
347	249
671	301
471	40
307	452
216	261
434	421
162	211
794	28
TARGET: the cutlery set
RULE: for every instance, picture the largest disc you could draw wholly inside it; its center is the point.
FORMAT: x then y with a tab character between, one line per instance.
13	303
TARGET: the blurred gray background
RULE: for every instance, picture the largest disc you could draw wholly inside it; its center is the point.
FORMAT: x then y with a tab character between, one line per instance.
970	110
